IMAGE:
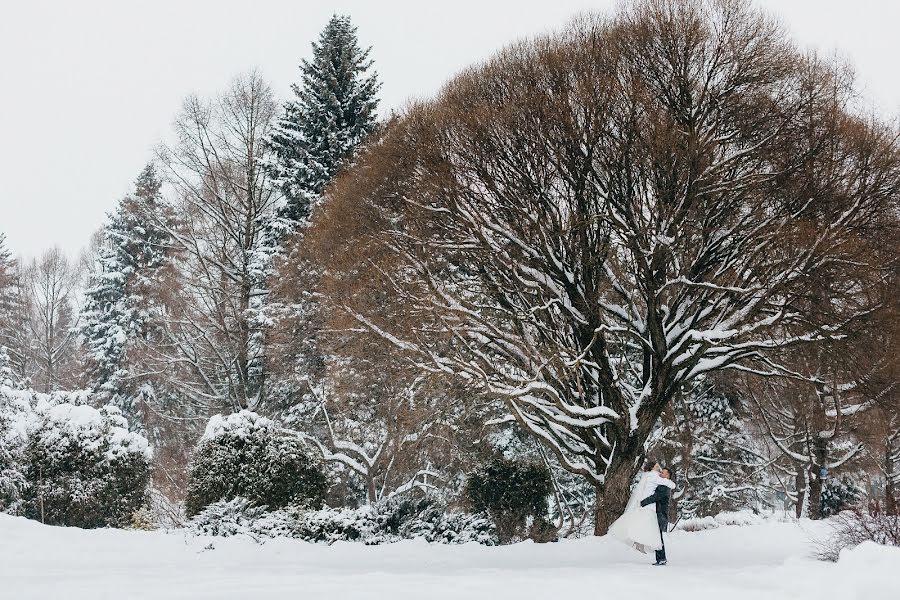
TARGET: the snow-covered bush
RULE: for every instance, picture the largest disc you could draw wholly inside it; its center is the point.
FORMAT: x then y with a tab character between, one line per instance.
514	494
851	528
723	519
838	495
245	455
383	522
83	467
12	474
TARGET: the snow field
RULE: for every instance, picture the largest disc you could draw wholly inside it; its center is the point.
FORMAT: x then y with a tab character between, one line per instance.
768	561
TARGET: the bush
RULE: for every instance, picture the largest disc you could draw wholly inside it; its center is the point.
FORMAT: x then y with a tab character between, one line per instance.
384	522
245	455
15	411
83	467
853	527
839	495
515	495
12	475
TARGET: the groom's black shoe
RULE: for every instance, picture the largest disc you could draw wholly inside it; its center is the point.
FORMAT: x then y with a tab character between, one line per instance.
659	563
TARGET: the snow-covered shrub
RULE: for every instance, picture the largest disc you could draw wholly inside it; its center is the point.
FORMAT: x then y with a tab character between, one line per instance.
514	494
384	522
238	516
723	519
12	474
245	455
839	495
395	519
83	467
851	528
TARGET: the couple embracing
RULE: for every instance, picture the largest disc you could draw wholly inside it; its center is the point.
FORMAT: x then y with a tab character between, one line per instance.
646	516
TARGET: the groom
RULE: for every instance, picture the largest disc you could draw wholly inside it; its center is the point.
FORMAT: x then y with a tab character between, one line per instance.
661	498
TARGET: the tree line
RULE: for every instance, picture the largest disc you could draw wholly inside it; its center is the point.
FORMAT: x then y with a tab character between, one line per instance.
661	232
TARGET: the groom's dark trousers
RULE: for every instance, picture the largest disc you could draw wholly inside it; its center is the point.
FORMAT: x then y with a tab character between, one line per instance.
661	498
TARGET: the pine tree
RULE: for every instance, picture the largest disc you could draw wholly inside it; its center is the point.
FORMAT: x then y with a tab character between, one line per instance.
8	289
14	340
331	115
115	310
7	279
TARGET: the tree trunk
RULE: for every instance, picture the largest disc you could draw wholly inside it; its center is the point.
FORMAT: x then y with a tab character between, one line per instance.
371	491
611	498
890	494
816	481
800	486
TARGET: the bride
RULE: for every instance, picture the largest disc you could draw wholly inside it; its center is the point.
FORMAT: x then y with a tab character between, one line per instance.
638	526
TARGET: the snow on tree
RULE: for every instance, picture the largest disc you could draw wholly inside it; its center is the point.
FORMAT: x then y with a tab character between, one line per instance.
385	427
839	404
332	112
119	296
709	443
386	432
50	286
13	336
6	372
588	222
810	427
213	332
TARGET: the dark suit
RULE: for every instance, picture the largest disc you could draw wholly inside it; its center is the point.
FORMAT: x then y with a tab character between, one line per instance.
661	498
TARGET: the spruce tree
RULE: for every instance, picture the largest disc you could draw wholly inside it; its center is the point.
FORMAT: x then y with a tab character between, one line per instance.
13	341
332	113
115	310
7	281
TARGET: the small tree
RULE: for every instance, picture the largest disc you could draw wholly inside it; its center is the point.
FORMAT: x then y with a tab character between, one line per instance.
13	314
512	492
50	285
245	455
838	495
332	113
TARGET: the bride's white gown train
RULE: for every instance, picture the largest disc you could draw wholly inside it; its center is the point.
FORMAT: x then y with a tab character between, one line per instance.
638	526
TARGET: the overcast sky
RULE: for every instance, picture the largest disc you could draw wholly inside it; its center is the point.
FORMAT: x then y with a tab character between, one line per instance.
89	87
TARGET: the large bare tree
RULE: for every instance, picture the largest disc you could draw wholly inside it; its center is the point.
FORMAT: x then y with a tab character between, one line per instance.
50	284
591	220
225	206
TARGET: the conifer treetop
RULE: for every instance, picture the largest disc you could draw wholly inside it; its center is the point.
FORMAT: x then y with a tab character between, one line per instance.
333	111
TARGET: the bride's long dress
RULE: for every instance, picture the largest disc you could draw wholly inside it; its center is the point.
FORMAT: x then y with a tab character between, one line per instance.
638	526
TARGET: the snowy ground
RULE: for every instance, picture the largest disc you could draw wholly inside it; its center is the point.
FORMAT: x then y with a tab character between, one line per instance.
768	561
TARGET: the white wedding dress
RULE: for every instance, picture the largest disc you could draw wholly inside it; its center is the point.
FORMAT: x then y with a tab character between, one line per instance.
638	526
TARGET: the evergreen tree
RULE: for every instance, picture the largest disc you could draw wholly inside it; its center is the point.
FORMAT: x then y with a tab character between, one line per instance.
14	339
6	262
6	372
710	446
8	301
115	310
6	286
332	113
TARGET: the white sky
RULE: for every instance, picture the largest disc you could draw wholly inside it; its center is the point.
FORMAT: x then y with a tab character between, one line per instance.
89	87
